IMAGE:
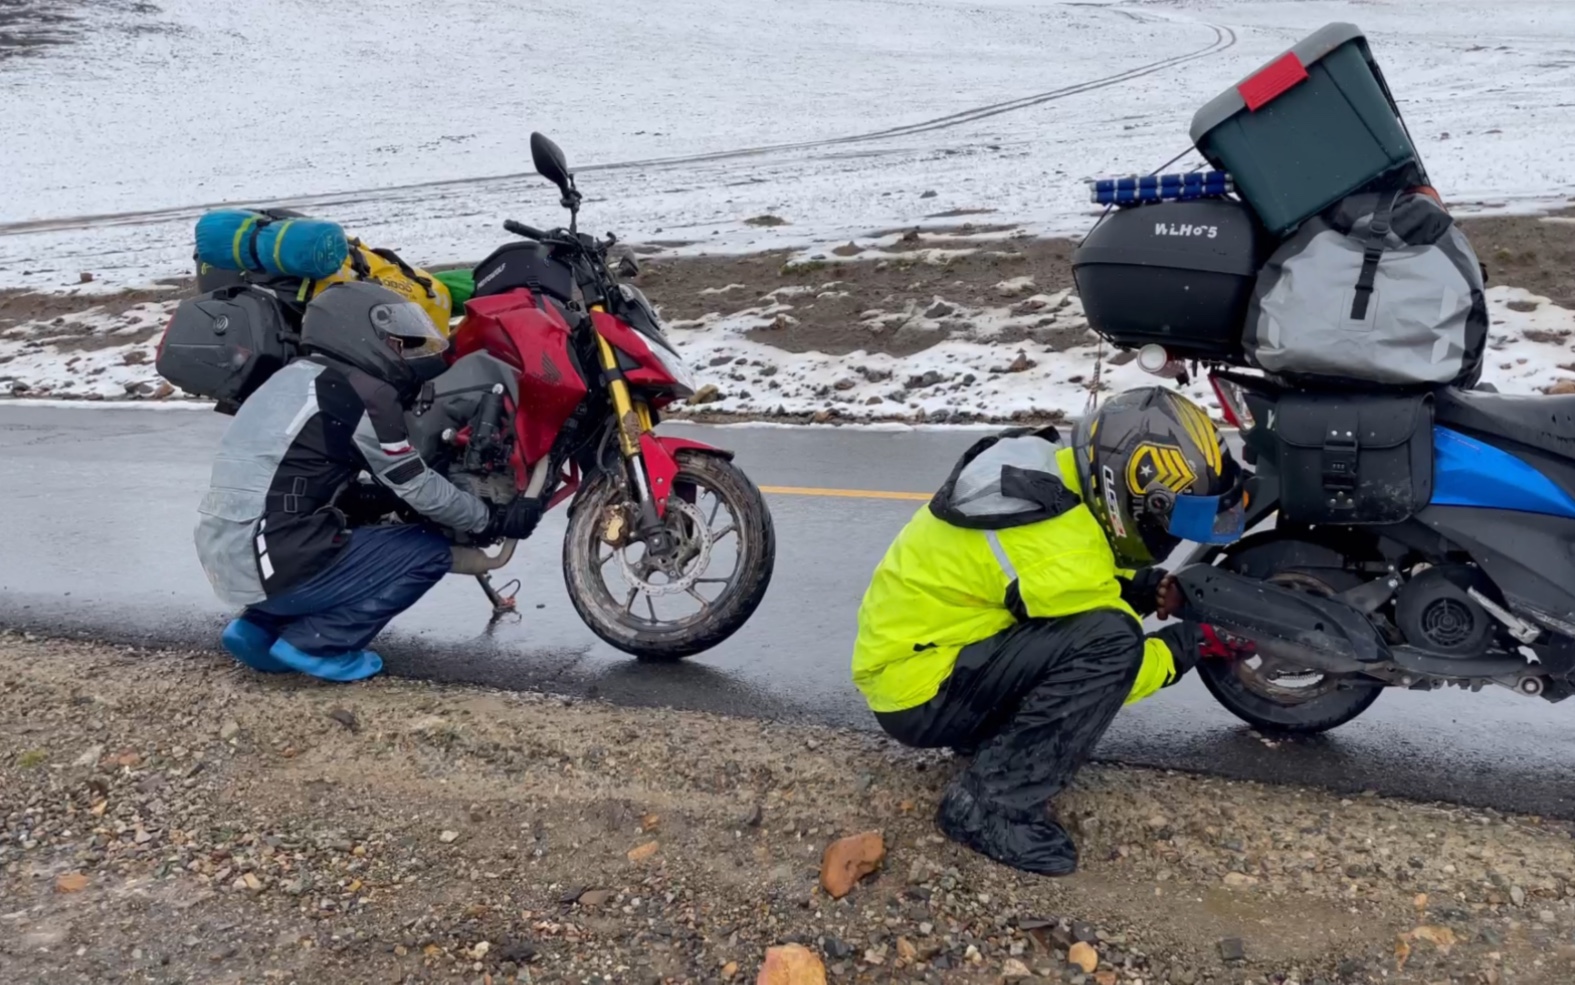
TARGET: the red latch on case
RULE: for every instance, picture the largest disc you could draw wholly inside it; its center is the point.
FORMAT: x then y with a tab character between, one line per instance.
1273	82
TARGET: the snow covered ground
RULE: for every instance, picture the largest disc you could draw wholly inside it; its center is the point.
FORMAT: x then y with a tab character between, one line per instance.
410	124
100	355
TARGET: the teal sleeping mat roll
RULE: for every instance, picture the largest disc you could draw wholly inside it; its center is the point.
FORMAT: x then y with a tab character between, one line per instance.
236	239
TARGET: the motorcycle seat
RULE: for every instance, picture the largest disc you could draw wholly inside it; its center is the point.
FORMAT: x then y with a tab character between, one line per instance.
1546	423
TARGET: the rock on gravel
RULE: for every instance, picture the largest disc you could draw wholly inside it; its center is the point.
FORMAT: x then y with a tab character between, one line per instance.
848	860
792	964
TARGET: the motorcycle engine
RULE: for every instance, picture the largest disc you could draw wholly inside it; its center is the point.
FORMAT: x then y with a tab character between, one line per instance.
1435	612
496	487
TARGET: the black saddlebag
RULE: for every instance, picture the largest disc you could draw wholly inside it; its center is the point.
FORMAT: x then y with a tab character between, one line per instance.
1354	458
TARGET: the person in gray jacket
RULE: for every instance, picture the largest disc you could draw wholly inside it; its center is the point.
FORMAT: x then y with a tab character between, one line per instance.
272	535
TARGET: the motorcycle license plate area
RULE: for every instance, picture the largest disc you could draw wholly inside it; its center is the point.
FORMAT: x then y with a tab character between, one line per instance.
1354	458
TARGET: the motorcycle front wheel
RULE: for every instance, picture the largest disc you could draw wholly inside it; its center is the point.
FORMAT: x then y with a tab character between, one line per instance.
668	605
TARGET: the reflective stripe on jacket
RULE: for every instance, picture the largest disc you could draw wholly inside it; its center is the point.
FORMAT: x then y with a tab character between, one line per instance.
1006	538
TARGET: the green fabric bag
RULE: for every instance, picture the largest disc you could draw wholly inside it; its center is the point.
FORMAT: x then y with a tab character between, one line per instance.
461	286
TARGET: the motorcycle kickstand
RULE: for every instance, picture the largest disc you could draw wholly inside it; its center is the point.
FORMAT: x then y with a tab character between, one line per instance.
502	604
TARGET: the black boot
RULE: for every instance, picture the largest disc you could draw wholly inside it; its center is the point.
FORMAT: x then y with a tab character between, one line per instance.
1029	841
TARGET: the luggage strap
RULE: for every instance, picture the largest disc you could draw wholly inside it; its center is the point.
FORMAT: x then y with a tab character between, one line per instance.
1341	452
253	226
1377	235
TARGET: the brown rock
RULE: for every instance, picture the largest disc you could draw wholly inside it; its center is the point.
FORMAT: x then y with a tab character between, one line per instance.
642	852
1084	956
1021	364
850	859
1561	387
706	394
1014	970
793	964
85	277
1105	978
596	897
71	882
650	822
163	392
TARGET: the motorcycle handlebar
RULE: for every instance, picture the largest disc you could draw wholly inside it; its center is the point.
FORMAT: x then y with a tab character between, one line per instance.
520	229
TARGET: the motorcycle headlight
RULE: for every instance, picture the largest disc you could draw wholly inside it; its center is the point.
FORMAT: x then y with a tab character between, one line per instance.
677	369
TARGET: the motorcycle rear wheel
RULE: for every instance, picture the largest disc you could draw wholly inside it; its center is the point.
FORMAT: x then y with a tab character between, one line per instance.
1289	703
705	487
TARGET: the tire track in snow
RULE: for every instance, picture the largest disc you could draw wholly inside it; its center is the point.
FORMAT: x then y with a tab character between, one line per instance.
1224	39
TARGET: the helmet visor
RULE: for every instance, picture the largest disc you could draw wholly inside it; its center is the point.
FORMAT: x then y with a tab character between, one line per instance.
1208	519
1218	519
408	326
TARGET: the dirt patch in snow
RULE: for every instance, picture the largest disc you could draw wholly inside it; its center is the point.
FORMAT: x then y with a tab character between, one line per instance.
1536	254
952	325
18	307
900	274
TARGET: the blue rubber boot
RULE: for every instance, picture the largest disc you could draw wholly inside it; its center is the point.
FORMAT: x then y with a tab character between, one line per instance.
357	666
249	643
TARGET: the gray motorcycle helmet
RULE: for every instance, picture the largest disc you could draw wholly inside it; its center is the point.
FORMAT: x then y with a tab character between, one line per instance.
369	327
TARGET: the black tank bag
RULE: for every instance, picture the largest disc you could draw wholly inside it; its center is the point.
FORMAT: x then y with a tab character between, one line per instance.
224	344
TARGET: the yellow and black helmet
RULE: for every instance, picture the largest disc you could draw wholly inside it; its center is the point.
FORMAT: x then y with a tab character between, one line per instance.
1155	472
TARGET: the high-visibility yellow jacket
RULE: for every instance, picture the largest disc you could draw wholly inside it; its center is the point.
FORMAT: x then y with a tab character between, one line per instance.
1007	537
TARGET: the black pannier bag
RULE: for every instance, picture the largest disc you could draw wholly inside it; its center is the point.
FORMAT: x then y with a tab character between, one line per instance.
224	344
1176	274
1354	458
524	264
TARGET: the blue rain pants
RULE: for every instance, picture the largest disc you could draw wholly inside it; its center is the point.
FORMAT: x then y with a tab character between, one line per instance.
383	572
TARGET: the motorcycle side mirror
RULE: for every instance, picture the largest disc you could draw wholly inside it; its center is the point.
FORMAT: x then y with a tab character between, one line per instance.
550	162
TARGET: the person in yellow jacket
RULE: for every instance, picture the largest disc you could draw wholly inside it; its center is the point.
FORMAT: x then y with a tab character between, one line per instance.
1005	618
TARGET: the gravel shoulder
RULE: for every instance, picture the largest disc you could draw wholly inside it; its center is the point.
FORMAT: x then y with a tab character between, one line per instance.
168	817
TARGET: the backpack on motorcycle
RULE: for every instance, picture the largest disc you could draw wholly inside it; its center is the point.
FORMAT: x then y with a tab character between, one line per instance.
1381	288
223	345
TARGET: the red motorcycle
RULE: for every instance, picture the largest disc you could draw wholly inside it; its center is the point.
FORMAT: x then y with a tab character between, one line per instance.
558	376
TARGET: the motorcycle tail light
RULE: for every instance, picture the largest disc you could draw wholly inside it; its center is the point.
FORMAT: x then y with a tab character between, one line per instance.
1233	403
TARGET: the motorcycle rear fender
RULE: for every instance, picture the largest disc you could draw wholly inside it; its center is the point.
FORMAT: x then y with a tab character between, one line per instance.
660	453
1321	632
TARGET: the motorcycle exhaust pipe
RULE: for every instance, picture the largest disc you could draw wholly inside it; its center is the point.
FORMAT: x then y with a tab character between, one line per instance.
474	560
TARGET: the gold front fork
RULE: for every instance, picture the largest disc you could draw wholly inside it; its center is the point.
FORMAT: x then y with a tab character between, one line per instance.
634	419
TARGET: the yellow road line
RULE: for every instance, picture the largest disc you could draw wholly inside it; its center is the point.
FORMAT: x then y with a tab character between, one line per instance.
844	493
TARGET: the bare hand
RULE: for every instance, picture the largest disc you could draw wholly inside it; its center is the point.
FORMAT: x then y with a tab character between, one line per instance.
1167	599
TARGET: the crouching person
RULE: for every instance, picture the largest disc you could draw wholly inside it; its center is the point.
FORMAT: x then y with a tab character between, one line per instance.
270	535
1004	620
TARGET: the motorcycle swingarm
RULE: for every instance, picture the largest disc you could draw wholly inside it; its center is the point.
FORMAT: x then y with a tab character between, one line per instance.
1322	633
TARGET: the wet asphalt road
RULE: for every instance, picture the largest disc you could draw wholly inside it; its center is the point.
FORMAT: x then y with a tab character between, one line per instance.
96	541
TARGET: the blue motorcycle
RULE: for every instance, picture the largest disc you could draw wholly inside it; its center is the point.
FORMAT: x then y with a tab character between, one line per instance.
1416	540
